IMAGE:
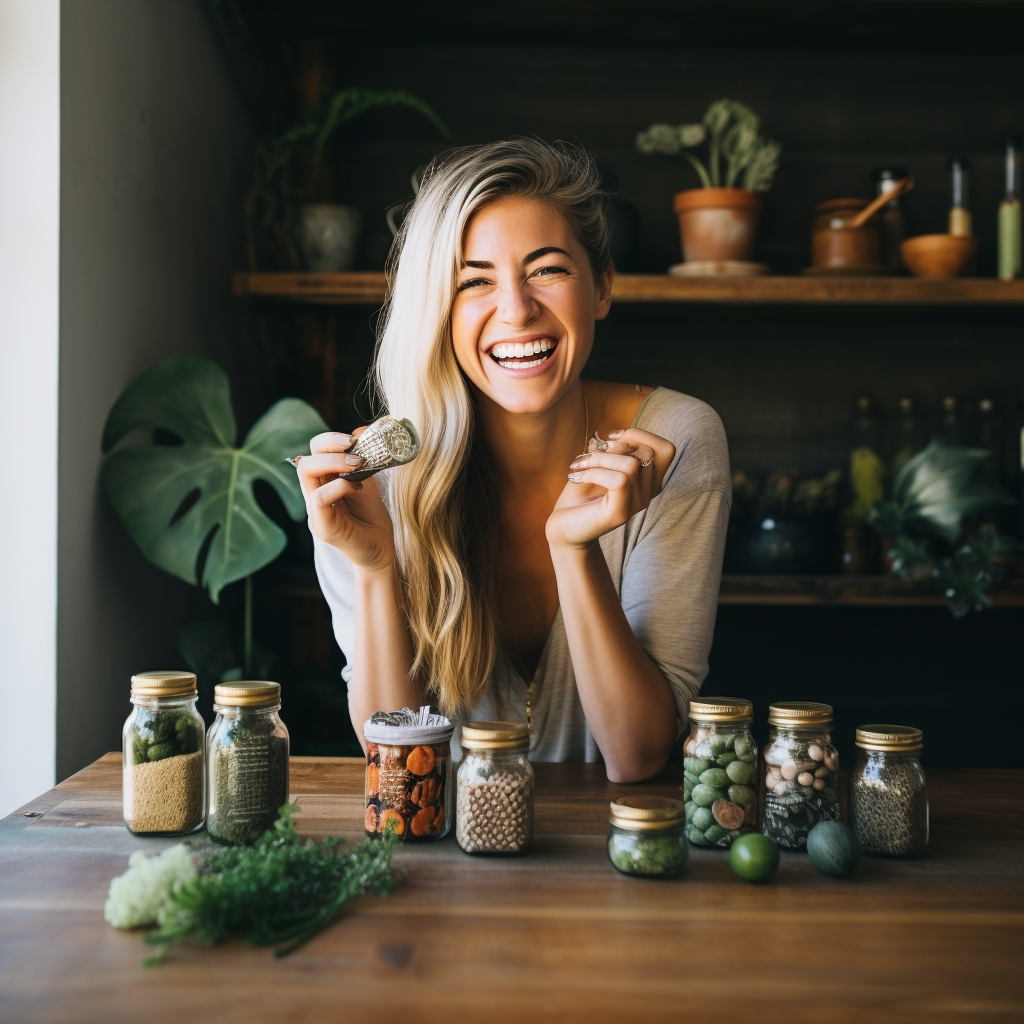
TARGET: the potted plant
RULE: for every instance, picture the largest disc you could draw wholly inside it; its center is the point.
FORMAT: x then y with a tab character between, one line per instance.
718	221
327	233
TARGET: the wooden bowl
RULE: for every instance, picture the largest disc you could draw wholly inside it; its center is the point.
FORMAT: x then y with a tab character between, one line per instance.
939	256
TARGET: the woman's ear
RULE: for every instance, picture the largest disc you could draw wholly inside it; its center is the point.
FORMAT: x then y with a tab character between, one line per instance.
604	293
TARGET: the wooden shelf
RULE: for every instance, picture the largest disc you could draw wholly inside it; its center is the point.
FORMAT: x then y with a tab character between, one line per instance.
865	591
367	288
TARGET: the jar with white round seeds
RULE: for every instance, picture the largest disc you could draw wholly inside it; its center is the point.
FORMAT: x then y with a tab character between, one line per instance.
494	791
801	772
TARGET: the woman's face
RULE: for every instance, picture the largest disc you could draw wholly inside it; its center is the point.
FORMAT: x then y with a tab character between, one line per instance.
523	317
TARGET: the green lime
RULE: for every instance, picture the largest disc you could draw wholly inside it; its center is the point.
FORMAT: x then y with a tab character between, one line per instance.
754	857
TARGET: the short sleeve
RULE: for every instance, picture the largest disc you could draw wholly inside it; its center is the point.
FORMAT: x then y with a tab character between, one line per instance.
672	573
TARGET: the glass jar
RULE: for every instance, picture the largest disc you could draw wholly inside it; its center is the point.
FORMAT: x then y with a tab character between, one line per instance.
407	785
801	772
494	806
647	836
162	756
720	771
889	793
246	761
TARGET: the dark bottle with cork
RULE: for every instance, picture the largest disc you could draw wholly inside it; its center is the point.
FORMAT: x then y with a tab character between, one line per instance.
891	215
908	435
951	425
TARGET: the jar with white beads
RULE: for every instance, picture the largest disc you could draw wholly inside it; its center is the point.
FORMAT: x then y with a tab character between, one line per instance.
494	788
801	772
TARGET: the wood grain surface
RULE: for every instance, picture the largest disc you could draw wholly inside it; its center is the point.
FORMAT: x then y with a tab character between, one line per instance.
555	935
367	287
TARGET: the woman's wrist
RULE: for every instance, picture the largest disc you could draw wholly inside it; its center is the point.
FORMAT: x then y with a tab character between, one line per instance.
574	557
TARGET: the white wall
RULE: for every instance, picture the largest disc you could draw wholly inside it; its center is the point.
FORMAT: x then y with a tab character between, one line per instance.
29	233
156	156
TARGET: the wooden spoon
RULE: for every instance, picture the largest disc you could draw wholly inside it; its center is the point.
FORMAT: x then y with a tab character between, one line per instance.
902	186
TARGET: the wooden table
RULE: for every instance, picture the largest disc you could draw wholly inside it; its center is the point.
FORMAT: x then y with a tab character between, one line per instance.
555	935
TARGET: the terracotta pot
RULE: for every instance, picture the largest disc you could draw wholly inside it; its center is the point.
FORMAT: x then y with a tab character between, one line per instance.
718	223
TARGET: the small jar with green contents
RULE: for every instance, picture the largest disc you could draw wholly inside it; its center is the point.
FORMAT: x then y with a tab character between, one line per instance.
647	836
162	756
247	761
720	771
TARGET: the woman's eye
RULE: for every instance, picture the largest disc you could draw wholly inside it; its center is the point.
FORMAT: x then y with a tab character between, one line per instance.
550	271
474	283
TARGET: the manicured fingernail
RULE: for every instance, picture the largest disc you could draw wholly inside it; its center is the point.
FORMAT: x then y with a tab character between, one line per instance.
579	465
575	477
354	460
616	434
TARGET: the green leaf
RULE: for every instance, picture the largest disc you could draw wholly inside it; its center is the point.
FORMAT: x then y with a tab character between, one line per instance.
148	484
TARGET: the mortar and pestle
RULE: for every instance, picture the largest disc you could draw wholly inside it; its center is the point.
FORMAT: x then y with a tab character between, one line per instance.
844	240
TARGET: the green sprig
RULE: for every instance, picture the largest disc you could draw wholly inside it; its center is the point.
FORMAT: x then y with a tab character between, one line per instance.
279	892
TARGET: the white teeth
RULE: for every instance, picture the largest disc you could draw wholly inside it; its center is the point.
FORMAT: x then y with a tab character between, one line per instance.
529	348
521	366
544	344
519	350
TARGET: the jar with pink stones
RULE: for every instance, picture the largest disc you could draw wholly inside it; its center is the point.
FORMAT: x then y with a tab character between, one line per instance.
800	779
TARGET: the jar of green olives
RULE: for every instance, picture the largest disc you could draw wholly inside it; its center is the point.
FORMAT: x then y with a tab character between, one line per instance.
801	772
720	771
646	837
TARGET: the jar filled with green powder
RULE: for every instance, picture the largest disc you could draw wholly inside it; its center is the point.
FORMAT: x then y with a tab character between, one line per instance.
647	836
246	761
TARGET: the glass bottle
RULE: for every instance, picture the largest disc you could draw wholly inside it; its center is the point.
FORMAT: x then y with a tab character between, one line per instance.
891	215
959	204
162	756
867	426
800	783
494	801
646	837
246	761
888	791
720	771
909	435
408	779
1009	258
951	428
990	437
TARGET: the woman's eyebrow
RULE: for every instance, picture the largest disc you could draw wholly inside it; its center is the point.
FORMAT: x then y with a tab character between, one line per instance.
529	258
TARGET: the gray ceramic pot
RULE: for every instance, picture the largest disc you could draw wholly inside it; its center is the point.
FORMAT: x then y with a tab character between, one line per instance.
326	235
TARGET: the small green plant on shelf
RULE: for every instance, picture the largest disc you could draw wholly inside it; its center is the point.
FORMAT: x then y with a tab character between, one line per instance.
185	493
732	133
938	522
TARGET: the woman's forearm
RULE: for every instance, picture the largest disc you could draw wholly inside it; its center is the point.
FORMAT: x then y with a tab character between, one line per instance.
383	650
628	702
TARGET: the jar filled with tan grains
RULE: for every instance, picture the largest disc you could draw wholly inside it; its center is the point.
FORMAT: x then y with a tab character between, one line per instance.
162	756
247	761
889	793
801	772
720	771
494	802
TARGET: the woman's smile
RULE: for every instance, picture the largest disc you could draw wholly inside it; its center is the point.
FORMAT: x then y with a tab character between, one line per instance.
520	356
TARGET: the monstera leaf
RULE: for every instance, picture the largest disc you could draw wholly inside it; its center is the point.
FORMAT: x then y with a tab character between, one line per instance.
173	497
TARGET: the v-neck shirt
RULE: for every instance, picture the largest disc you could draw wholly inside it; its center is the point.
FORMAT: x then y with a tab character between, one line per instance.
665	563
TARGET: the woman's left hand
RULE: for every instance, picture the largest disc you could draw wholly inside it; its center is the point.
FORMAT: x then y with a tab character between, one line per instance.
607	488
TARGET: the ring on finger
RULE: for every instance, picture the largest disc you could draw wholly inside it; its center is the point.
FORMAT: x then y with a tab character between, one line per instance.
647	463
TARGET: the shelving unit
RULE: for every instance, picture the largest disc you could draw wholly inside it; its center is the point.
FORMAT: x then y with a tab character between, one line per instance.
368	288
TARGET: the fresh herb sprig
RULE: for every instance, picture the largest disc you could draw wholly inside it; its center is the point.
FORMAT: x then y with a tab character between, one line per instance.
279	892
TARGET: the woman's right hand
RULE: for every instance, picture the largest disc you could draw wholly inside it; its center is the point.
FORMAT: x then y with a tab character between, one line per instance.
349	515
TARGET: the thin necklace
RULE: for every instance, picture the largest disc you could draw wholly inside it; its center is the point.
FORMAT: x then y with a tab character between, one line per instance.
586	442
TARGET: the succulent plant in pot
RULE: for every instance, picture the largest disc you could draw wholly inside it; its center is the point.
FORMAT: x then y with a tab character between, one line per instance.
718	221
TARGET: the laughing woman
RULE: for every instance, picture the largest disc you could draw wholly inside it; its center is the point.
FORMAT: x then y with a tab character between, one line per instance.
554	553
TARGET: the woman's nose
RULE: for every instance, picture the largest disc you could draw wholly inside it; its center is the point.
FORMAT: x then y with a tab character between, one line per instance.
516	306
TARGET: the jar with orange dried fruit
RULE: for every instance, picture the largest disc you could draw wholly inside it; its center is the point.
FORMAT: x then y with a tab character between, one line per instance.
408	774
720	771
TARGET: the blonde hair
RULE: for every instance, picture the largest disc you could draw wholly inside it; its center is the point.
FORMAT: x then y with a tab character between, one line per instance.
444	505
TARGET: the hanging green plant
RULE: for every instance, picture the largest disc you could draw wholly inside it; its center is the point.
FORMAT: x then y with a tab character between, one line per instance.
174	499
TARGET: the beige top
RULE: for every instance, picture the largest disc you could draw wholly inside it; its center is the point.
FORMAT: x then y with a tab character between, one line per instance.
666	564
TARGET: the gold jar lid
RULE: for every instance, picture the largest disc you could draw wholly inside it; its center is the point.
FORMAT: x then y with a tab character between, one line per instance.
495	736
721	709
797	713
172	683
889	737
249	693
647	813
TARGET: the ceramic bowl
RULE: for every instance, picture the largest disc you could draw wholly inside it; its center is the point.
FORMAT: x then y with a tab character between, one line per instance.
939	256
